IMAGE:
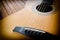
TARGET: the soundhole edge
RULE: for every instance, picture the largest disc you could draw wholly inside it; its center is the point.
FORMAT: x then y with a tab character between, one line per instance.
44	8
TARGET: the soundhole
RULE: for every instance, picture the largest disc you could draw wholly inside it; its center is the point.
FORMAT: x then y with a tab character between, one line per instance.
44	8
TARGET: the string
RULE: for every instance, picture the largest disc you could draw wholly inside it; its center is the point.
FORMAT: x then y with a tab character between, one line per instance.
44	7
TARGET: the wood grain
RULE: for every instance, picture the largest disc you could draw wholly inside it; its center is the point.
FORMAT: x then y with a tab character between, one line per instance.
11	6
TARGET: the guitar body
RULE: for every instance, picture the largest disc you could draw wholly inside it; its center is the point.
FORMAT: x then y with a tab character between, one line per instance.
31	17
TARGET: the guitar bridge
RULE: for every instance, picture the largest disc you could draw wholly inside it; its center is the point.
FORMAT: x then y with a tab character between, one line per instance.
34	33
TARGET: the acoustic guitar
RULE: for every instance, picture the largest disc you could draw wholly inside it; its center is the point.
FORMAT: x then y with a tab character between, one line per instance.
38	14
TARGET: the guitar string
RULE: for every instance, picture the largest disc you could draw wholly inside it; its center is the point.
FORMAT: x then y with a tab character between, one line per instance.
44	7
43	4
40	7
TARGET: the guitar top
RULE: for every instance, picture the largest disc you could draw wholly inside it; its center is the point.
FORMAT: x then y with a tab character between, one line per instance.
38	14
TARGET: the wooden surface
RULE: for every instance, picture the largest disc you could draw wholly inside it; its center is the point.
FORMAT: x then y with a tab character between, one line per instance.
11	6
26	17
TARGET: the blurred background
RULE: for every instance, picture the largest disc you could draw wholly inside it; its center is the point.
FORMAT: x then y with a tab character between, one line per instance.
10	6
